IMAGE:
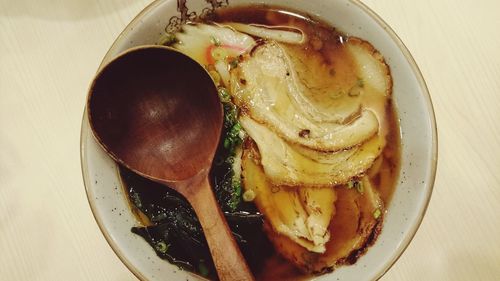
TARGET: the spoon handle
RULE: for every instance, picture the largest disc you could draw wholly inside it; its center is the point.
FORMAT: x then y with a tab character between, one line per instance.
225	252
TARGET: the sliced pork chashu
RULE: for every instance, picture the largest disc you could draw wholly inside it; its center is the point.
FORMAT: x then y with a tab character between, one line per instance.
352	229
300	214
286	165
280	92
266	87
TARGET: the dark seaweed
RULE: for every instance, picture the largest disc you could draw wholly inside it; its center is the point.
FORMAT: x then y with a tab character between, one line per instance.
175	233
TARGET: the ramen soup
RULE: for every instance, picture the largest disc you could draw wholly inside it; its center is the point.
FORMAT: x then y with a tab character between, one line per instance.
309	153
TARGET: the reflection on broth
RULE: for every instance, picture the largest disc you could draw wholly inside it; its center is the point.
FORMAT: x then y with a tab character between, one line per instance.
309	154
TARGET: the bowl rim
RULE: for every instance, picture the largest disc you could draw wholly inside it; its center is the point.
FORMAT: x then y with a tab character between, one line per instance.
428	104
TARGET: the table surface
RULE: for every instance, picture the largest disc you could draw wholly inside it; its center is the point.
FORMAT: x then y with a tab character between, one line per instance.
50	50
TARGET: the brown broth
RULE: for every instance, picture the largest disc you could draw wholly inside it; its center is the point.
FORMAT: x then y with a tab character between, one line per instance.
325	50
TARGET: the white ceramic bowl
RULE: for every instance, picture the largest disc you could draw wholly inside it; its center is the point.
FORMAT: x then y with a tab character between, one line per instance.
418	131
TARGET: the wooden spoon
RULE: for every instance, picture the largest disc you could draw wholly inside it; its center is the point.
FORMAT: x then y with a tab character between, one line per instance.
157	112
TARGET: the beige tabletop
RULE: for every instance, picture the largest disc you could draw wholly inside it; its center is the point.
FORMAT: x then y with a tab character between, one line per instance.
50	49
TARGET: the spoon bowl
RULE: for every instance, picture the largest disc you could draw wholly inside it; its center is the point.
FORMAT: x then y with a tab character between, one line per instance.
157	112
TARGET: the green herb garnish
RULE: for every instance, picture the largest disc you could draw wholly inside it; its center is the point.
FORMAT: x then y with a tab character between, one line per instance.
230	115
249	195
136	199
233	137
203	269
234	63
377	213
161	247
350	184
215	41
236	195
358	185
224	95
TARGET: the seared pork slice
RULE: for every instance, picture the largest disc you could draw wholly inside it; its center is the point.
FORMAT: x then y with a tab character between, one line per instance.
300	213
266	87
356	223
294	166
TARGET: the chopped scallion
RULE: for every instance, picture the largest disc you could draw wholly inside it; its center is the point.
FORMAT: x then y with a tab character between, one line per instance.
224	95
203	269
161	247
236	194
233	63
350	184
359	187
249	195
215	41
